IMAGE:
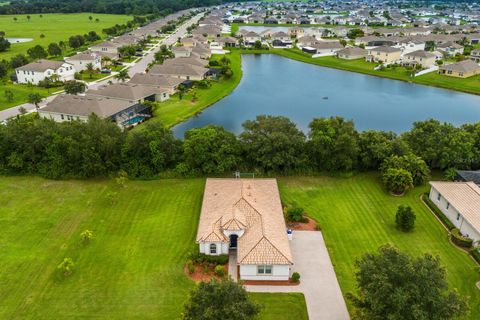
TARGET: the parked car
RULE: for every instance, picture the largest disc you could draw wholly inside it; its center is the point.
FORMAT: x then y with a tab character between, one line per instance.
106	71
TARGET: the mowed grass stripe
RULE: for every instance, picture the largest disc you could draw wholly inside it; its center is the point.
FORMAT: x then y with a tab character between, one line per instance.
357	216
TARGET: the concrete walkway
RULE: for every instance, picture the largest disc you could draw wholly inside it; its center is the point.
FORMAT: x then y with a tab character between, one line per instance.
318	280
232	265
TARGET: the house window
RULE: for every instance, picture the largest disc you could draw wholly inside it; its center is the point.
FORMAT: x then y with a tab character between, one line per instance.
62	117
264	269
448	205
213	248
458	216
439	196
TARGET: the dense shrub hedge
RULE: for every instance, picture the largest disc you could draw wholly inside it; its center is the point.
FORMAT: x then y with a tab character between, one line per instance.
200	258
446	222
459	239
475	253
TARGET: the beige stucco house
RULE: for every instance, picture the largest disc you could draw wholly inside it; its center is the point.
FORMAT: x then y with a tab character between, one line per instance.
462	69
384	54
245	217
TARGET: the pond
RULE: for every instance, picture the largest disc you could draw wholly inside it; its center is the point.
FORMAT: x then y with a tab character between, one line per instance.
19	40
276	85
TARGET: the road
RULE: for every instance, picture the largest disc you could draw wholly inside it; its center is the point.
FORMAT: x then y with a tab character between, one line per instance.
137	67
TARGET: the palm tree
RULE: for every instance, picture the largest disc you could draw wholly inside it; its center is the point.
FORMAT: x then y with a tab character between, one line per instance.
35	98
122	75
90	18
90	69
106	61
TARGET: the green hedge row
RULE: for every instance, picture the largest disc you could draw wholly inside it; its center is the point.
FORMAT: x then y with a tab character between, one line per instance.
200	258
459	239
447	223
475	253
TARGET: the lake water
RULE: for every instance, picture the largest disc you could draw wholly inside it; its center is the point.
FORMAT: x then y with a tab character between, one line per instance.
275	85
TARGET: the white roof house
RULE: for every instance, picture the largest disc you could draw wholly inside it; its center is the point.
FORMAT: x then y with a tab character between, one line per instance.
246	215
460	202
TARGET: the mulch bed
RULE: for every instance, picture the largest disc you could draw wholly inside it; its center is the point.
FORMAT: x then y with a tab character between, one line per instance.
270	283
311	225
199	275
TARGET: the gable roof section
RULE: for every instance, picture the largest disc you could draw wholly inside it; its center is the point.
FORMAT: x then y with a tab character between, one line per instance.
252	205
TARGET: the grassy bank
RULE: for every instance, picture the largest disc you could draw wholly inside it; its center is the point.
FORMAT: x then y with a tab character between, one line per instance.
468	85
133	267
176	110
357	216
54	26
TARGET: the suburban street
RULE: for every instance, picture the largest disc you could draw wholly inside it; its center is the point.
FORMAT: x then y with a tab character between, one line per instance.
137	67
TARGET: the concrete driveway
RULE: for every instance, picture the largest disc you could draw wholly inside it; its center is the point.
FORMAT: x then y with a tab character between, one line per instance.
318	280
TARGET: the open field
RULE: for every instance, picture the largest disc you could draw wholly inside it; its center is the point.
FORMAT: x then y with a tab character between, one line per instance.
357	216
55	27
132	269
174	111
468	85
20	93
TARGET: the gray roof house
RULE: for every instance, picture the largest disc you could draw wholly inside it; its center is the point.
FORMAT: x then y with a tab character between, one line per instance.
165	82
132	92
351	53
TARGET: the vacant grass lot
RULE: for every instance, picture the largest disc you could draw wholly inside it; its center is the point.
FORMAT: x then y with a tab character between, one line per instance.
55	27
20	93
132	269
176	110
357	216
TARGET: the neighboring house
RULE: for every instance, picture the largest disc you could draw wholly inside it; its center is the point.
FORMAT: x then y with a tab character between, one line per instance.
66	107
245	216
323	47
306	41
250	38
40	70
296	32
188	42
450	48
181	71
181	52
107	46
475	55
131	92
352	53
281	40
462	69
460	203
408	46
81	60
168	83
384	54
227	42
421	57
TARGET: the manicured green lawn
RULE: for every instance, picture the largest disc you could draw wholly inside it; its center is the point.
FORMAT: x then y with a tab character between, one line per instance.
20	93
469	85
95	76
357	216
281	306
132	269
174	111
55	27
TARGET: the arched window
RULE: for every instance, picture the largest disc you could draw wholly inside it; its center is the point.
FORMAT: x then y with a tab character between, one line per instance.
213	248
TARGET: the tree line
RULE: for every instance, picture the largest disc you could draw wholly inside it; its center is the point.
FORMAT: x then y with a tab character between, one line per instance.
268	144
135	7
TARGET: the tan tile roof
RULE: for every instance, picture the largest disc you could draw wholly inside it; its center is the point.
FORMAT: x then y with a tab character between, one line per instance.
462	66
128	91
42	65
252	205
464	197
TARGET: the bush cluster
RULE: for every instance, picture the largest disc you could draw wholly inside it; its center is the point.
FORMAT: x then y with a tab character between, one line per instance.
200	258
459	239
446	222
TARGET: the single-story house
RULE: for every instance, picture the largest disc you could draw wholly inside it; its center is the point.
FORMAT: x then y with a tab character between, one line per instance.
82	59
164	82
324	47
245	216
460	203
182	52
66	107
250	38
462	69
352	53
41	69
107	46
181	71
384	54
424	58
227	42
132	92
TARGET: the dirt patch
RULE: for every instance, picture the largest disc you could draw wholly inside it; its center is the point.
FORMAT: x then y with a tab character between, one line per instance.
200	275
289	282
311	225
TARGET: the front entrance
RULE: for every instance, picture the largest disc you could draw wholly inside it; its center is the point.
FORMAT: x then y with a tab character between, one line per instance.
233	241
